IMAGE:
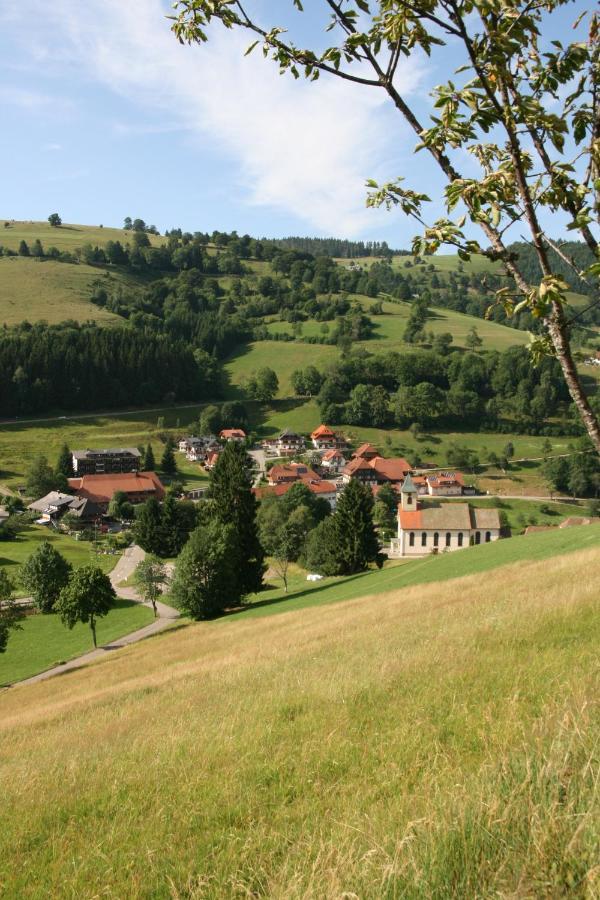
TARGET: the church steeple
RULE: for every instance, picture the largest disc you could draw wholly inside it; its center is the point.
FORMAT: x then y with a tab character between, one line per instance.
408	494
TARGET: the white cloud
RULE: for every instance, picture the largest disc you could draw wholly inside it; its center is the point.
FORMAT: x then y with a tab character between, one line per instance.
302	148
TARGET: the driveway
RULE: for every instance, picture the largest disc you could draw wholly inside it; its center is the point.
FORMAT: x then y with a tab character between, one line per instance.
121	572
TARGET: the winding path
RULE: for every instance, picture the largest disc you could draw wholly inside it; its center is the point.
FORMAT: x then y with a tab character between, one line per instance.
121	572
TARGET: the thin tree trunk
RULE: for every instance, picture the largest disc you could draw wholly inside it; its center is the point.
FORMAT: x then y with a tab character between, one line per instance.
93	627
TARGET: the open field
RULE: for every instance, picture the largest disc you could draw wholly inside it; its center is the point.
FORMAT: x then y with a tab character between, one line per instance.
427	743
389	328
79	553
35	289
282	357
44	641
65	237
399	574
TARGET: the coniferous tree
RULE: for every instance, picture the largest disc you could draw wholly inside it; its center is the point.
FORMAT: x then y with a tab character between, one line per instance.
168	464
148	527
149	461
235	504
353	533
44	574
64	464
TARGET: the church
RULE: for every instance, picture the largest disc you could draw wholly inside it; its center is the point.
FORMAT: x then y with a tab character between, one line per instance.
442	527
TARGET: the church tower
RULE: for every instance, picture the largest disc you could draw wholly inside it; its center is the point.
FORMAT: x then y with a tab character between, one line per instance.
408	495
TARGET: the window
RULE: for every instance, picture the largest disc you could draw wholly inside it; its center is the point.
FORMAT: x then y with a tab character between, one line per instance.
423	539
436	539
477	537
411	539
409	499
448	537
488	537
460	539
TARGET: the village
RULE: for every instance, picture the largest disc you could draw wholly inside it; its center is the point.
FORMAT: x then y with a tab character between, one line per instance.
324	462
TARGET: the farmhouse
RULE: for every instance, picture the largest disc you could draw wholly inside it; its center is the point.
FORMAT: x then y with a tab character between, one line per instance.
137	486
323	438
366	451
334	461
435	529
290	472
445	484
376	470
233	434
103	462
55	505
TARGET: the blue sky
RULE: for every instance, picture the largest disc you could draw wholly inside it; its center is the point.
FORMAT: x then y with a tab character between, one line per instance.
105	115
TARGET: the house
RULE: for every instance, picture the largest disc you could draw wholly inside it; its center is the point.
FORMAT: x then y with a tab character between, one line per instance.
290	442
104	462
334	461
366	451
377	470
233	434
434	529
321	488
445	484
290	472
323	438
137	486
53	505
211	460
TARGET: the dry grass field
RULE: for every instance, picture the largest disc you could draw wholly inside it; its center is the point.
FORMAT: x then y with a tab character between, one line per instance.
434	742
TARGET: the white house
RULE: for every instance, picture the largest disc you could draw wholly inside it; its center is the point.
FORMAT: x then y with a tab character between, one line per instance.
437	529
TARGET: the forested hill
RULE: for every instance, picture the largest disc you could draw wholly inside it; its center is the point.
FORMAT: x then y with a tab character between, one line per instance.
122	317
337	247
575	251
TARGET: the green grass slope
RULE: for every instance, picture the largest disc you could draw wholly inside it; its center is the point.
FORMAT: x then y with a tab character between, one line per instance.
406	573
436	741
44	641
65	237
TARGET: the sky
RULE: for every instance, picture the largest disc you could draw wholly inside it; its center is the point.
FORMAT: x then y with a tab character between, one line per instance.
105	115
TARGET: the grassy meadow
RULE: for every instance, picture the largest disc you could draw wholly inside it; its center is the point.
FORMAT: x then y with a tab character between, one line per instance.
44	641
79	553
64	237
400	574
435	741
284	358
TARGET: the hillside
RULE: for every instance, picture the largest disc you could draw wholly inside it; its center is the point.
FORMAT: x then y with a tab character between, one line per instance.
429	742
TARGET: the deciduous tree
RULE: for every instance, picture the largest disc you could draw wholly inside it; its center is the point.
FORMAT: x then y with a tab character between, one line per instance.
10	613
88	597
44	574
151	578
205	581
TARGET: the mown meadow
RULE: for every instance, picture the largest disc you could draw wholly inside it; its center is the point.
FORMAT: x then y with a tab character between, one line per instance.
435	741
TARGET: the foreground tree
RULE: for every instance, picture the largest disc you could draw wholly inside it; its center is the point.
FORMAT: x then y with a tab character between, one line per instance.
10	613
354	536
206	582
527	115
45	573
235	504
88	596
151	578
283	532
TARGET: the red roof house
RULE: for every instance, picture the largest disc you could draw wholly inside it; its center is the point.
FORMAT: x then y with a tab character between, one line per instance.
138	486
233	434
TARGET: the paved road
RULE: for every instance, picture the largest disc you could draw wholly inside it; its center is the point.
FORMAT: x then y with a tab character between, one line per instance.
121	572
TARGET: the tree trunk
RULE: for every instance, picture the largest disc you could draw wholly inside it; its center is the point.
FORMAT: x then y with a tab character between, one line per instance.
557	330
93	627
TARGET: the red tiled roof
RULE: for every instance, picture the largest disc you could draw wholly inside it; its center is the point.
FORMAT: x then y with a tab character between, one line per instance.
366	450
322	431
315	486
291	472
410	518
332	454
232	433
357	465
101	488
393	469
446	478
